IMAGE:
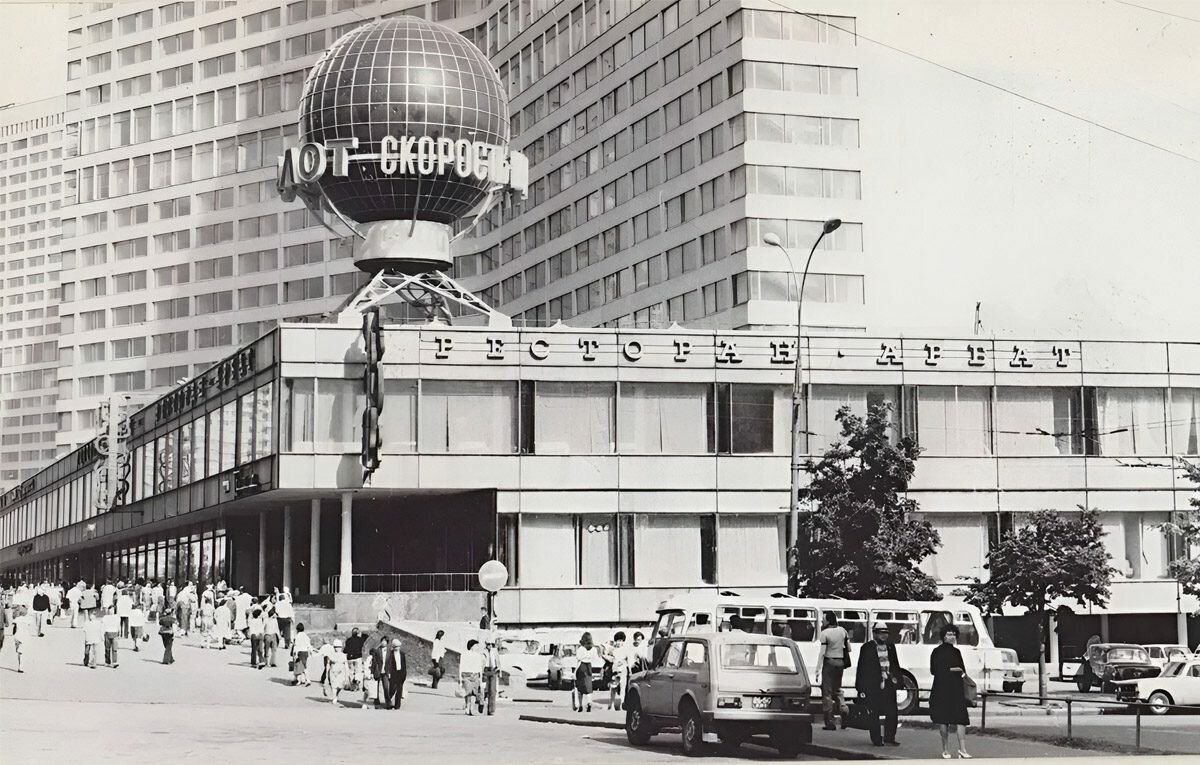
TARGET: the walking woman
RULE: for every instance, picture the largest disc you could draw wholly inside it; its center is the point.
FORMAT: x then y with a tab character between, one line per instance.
588	656
301	648
166	630
948	699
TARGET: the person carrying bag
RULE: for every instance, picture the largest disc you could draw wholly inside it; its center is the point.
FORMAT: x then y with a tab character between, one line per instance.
833	659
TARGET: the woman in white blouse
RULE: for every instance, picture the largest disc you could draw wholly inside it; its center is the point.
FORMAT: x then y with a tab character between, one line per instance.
588	656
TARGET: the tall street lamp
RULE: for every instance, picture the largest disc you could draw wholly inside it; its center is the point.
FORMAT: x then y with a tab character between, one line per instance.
772	239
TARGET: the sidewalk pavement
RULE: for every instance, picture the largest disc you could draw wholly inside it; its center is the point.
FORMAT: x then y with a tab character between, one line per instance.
916	742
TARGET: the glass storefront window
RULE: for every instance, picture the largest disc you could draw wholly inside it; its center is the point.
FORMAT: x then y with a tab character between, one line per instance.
1131	421
1039	421
826	400
146	468
264	417
665	418
338	415
574	418
1185	421
398	423
468	417
301	404
185	454
954	421
246	418
228	435
199	442
214	441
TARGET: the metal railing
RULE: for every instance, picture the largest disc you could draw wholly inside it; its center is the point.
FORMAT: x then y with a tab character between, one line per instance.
431	582
1138	706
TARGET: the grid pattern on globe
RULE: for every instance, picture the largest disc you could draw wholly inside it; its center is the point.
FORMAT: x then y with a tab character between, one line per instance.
401	77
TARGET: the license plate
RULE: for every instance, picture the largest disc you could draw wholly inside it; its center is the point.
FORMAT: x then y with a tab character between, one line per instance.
762	702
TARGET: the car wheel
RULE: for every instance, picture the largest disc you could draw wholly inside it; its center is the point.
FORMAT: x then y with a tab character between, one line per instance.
908	696
637	727
1159	703
788	741
691	731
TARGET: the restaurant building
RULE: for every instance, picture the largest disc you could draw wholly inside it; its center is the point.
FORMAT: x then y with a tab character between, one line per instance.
621	466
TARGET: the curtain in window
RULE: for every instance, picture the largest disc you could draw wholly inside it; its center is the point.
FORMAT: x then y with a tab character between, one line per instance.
825	400
468	417
398	423
303	395
1130	421
663	418
597	551
667	550
547	551
1036	421
963	547
1185	421
954	420
750	550
339	415
574	418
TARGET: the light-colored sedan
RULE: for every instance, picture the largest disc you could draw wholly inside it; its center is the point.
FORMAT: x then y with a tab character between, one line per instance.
1161	654
1179	684
725	687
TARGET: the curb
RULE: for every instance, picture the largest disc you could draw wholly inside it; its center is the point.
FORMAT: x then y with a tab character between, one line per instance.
819	750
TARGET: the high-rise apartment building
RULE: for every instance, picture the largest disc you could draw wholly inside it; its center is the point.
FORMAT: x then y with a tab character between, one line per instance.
30	195
665	140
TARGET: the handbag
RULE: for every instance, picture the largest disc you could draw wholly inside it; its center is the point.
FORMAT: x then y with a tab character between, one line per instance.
970	690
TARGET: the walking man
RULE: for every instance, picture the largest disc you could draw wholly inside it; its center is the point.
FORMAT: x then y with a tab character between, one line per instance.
112	629
395	672
878	680
285	613
73	596
833	658
41	609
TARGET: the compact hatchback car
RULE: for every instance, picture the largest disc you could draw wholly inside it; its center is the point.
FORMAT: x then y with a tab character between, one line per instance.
725	687
1107	663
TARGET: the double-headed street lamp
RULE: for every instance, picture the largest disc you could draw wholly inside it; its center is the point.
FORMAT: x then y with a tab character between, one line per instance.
772	239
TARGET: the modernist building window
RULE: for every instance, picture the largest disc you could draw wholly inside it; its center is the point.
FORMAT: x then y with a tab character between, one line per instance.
459	416
825	401
675	550
954	421
751	549
198	465
1140	547
213	432
1129	421
665	418
962	552
398	423
1039	421
574	418
747	417
228	435
1185	421
246	422
547	548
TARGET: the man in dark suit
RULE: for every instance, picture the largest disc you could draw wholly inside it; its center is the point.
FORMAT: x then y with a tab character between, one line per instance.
878	680
395	672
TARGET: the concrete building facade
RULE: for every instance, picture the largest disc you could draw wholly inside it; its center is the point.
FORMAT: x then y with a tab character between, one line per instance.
31	178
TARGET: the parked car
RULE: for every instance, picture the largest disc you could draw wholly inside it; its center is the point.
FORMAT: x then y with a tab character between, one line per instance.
1106	663
725	687
560	669
1178	684
1003	664
1162	654
523	656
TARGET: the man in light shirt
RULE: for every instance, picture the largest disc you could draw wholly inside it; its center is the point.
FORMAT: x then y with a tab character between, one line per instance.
284	613
112	629
833	658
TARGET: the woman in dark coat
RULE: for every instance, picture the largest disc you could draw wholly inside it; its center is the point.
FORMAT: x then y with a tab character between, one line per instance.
948	699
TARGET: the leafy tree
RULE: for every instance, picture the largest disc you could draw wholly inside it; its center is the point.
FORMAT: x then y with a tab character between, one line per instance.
1186	570
860	541
1052	557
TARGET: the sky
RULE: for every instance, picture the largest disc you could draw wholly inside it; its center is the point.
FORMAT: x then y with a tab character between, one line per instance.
1059	227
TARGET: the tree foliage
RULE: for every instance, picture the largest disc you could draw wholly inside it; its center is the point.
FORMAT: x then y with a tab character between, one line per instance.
860	541
1186	570
1051	557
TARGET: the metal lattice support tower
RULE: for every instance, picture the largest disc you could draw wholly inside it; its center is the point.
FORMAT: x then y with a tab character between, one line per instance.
430	292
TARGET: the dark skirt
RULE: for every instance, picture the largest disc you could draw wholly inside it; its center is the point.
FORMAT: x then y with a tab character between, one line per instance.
948	700
583	677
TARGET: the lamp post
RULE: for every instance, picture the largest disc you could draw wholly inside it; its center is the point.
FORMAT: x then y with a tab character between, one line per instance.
772	239
492	577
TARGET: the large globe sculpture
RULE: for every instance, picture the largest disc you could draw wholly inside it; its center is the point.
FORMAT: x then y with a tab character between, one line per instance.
403	77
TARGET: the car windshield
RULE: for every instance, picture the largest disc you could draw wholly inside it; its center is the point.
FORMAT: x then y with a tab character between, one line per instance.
761	657
1129	654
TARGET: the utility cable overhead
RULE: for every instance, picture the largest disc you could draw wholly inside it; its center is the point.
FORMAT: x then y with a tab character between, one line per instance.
994	86
1157	10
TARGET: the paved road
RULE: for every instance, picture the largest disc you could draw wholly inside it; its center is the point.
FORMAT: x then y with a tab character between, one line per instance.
1172	733
211	706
